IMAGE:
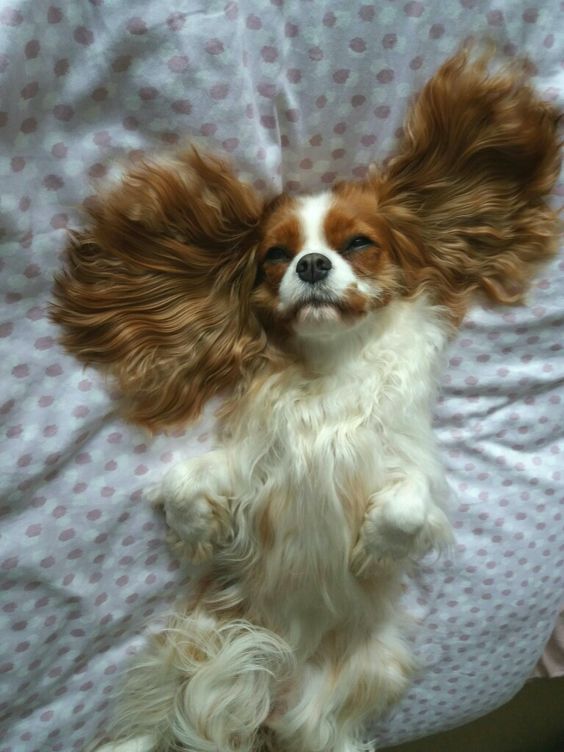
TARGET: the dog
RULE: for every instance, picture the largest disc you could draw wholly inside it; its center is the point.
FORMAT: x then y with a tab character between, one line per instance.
321	320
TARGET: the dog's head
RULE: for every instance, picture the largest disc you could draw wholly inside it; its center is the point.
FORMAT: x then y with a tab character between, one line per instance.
185	276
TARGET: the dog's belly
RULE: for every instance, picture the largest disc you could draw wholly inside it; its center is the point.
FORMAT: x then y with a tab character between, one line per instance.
312	456
306	518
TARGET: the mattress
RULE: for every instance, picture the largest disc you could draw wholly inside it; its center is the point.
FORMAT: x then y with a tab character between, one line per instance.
298	94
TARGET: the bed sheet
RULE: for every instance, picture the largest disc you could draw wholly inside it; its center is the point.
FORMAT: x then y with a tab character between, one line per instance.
298	93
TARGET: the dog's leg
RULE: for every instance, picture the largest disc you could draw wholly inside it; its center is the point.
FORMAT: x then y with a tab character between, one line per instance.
336	695
401	520
196	497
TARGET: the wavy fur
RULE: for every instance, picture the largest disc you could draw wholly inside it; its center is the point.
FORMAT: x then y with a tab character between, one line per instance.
327	317
155	290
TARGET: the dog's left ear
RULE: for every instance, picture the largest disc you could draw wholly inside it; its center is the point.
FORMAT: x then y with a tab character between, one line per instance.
155	291
465	199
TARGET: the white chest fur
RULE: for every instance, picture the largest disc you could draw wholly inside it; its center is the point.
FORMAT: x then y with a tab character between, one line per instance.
312	448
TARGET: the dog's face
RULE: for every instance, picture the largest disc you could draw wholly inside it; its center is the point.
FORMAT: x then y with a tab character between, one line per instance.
323	262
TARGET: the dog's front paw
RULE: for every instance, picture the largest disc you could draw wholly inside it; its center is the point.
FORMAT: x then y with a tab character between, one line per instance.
196	512
401	521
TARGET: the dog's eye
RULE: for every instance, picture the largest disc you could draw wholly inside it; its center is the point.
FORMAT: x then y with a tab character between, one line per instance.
356	243
277	254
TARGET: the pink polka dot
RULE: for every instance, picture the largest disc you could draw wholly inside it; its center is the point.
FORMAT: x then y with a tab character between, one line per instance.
178	63
176	21
121	64
53	182
32	49
366	12
54	15
44	343
214	47
59	221
219	91
20	371
10	17
360	171
269	54
208	129
253	22
63	112
30	90
414	9
385	76
341	76
495	17
267	90
61	67
29	125
130	123
291	30
357	45
136	26
382	111
83	36
147	93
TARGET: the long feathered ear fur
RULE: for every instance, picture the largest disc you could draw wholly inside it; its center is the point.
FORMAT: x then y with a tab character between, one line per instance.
464	200
155	291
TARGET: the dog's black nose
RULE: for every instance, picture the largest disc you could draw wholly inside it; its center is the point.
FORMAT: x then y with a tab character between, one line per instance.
313	267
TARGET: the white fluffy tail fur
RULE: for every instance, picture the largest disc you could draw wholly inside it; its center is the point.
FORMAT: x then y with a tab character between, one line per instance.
204	685
139	744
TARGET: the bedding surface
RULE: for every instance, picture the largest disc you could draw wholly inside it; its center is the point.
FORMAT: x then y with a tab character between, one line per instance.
298	94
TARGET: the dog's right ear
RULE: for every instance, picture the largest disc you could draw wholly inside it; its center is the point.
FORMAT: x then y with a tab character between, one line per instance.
155	291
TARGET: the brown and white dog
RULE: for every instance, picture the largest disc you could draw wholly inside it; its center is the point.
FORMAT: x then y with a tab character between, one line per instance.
323	318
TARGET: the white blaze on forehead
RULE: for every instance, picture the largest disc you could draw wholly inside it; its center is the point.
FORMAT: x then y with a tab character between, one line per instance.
312	212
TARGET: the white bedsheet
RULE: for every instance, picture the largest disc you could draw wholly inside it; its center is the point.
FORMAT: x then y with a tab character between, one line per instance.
299	93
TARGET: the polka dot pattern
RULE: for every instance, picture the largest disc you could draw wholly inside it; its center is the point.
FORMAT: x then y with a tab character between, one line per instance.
299	95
